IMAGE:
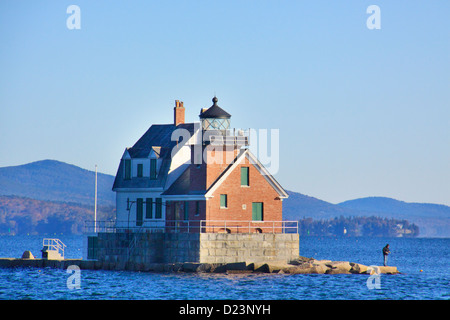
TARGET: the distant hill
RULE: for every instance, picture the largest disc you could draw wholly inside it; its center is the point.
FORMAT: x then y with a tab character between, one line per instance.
388	206
56	181
49	196
432	219
299	206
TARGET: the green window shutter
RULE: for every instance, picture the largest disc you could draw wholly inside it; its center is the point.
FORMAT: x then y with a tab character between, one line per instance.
223	201
152	168
127	169
244	176
158	209
186	210
257	211
197	208
140	170
92	247
139	211
149	208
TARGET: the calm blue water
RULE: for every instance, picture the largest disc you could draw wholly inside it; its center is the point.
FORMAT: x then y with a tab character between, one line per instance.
409	255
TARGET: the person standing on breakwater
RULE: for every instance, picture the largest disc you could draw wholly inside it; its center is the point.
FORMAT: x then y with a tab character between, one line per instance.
386	251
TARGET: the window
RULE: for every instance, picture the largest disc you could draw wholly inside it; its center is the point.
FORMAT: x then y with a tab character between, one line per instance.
257	211
140	170
127	169
244	176
223	201
139	211
153	169
149	208
158	209
186	210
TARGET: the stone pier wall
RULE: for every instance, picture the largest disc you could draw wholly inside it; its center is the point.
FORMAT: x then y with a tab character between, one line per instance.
148	248
252	247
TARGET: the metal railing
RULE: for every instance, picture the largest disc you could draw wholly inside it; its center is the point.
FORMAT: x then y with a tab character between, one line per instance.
105	226
54	244
191	226
248	226
227	137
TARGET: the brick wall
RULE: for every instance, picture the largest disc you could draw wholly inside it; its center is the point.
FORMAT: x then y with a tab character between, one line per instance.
240	198
193	214
217	160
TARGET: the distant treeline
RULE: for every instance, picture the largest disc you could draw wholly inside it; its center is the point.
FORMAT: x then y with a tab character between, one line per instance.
20	215
358	227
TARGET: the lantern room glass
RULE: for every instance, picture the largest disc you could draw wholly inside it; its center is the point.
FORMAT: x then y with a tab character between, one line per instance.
215	124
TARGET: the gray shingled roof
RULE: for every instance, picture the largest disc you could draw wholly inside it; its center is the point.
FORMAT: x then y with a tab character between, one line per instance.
181	186
157	135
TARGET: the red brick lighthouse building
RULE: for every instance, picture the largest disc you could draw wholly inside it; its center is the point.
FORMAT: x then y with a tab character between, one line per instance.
194	192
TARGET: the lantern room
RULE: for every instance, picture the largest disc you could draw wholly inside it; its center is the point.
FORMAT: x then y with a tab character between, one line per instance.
215	118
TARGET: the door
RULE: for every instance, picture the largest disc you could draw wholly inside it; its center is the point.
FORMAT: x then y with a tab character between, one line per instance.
257	211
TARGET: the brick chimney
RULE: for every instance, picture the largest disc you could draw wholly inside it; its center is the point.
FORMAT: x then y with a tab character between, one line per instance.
178	113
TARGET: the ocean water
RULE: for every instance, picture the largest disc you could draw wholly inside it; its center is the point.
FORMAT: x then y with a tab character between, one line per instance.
423	263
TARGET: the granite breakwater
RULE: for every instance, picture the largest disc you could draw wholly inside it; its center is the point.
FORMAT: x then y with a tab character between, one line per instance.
302	265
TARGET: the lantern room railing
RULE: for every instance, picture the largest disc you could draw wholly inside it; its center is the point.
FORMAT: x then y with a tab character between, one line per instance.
227	137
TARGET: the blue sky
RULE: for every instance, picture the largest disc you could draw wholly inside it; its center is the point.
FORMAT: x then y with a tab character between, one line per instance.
361	112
